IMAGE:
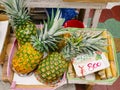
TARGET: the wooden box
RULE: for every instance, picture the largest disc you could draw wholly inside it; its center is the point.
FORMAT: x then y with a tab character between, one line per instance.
3	17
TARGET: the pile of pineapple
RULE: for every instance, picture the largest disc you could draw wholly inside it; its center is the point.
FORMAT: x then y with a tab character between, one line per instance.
46	51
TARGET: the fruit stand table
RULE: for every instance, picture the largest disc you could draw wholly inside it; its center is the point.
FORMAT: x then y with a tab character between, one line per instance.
98	5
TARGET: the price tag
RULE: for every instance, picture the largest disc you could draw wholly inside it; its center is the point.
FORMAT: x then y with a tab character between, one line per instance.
89	63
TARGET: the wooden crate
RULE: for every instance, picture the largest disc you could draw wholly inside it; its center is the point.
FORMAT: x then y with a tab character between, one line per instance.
92	1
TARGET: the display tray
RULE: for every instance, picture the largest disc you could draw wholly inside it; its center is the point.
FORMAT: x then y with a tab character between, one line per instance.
96	79
30	83
93	1
3	17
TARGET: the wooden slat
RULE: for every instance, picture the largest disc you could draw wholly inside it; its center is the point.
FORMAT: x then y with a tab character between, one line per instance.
86	17
32	86
3	17
93	1
62	4
5	78
96	16
4	73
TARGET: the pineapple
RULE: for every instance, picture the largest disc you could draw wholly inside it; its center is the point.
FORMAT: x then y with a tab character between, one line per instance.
20	20
52	68
30	54
26	59
84	42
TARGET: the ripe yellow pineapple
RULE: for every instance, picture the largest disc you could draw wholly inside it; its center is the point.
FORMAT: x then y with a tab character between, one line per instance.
26	59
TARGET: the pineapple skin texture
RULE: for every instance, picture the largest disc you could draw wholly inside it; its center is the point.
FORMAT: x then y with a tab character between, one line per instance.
52	68
24	32
26	59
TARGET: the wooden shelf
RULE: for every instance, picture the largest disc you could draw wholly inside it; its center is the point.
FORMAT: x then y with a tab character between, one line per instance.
93	1
62	4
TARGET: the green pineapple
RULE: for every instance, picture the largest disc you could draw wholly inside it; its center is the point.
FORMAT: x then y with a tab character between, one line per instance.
84	42
30	54
20	20
52	68
55	64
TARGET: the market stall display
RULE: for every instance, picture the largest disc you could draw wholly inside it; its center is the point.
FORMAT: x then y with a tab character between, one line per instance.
94	1
44	55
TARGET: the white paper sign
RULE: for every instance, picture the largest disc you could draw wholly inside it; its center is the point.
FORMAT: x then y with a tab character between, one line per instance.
86	64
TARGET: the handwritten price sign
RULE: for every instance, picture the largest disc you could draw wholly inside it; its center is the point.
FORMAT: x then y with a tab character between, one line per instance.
87	64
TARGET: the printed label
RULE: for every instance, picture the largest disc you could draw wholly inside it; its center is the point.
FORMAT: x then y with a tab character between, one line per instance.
86	64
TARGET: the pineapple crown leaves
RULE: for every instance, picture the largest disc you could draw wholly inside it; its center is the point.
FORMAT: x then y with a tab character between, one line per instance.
16	10
47	38
55	23
85	43
46	45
